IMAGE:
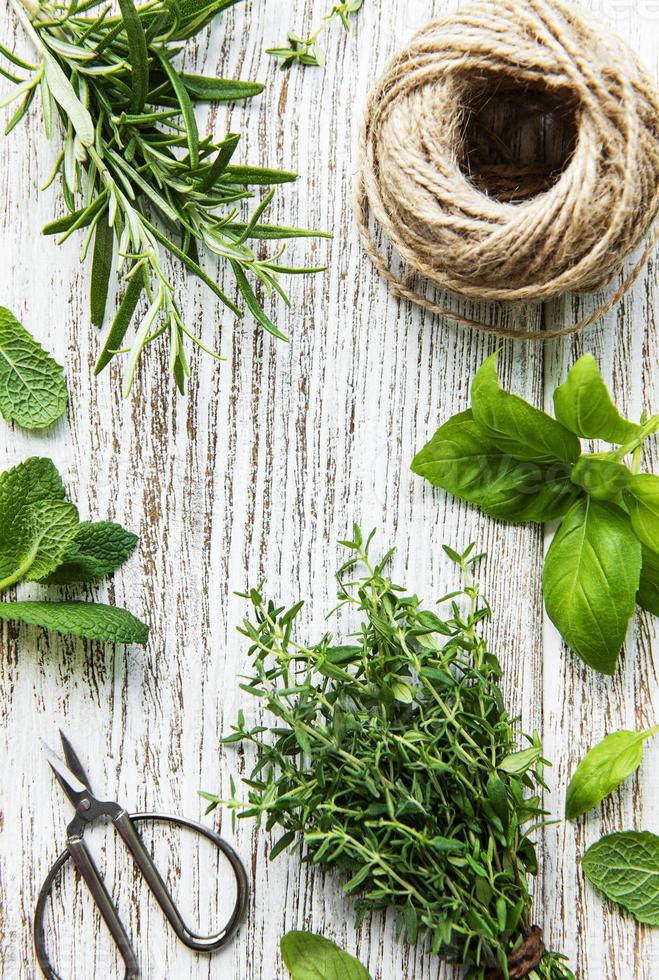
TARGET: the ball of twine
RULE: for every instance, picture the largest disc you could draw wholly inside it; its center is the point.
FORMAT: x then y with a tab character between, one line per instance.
452	179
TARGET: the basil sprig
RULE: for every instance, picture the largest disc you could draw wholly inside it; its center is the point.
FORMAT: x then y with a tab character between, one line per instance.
517	463
604	768
311	957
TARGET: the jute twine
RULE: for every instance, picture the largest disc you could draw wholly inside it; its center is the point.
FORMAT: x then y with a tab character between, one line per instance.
468	213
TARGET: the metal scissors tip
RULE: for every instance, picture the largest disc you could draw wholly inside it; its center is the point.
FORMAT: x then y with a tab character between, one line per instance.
73	786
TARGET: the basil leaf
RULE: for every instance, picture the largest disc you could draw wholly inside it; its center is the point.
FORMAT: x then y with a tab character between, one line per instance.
642	500
603	769
648	591
89	620
601	478
516	427
463	461
32	385
625	867
591	576
311	957
97	550
583	405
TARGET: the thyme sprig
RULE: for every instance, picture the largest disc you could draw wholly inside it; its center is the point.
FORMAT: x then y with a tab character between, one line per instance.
307	51
136	173
393	760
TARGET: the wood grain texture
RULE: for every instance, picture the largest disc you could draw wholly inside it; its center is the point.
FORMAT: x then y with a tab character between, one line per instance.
257	472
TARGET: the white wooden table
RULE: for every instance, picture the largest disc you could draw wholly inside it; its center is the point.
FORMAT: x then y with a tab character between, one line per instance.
258	471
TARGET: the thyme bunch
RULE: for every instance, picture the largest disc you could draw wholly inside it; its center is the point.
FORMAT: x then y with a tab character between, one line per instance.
307	51
393	760
135	172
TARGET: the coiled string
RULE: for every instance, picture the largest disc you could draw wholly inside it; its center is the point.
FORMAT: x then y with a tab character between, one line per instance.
472	205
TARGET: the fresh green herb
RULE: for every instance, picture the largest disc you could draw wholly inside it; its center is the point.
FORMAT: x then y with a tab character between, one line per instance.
32	385
136	174
310	957
625	867
89	620
648	590
392	759
604	768
517	463
307	51
42	540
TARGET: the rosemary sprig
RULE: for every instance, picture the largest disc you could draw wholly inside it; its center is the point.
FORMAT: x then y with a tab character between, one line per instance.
393	760
307	51
136	174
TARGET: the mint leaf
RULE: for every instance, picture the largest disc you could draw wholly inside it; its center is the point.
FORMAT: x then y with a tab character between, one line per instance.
583	405
515	427
311	957
591	576
603	769
98	549
32	385
625	867
33	480
40	542
462	460
90	620
648	591
642	499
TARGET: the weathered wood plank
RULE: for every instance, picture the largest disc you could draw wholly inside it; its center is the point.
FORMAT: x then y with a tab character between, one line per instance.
266	463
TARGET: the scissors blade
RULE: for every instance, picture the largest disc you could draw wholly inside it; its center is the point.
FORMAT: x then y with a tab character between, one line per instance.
73	762
72	786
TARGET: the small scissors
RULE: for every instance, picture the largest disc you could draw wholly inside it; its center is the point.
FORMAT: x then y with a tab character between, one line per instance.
73	780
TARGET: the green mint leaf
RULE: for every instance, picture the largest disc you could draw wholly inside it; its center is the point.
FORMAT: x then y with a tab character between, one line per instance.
32	385
97	550
311	957
642	501
514	426
462	460
625	867
23	490
31	481
591	576
39	542
603	769
89	620
601	478
583	405
648	591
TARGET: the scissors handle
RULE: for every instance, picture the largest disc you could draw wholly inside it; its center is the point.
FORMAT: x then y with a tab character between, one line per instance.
125	824
85	864
204	944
